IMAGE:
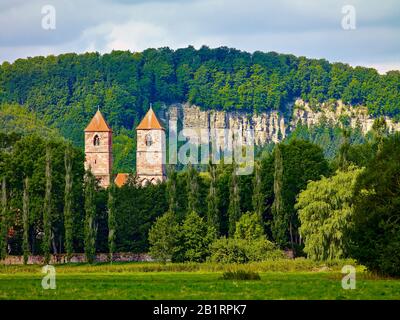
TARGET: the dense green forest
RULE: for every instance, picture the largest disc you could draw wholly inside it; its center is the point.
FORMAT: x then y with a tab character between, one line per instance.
64	91
296	199
327	192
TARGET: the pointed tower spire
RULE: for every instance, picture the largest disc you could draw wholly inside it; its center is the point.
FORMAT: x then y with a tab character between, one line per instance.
98	149
150	150
150	121
98	123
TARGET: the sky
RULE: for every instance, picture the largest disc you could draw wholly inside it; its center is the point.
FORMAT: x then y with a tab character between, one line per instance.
312	28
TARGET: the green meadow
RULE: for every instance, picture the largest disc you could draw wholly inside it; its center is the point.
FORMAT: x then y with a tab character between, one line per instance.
286	279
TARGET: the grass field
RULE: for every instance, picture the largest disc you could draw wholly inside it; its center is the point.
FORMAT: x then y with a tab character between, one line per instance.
288	279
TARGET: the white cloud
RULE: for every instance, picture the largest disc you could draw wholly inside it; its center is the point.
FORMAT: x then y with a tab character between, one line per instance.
301	27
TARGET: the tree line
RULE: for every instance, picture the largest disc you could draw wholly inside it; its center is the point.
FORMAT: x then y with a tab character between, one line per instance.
295	200
65	90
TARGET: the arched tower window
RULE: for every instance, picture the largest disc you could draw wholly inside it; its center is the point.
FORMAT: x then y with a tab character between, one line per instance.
149	140
96	140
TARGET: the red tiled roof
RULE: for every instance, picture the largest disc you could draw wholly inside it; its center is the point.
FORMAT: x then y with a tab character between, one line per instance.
149	121
98	123
121	179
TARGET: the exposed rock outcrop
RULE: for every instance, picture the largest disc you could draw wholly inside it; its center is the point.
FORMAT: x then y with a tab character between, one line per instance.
272	126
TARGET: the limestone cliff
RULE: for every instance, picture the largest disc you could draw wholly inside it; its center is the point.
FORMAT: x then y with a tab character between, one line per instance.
271	126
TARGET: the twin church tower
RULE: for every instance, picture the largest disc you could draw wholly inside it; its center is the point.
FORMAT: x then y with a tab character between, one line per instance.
150	151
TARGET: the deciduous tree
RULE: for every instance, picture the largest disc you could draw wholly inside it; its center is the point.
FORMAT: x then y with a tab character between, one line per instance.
112	227
68	197
25	221
213	218
164	237
326	213
90	216
48	207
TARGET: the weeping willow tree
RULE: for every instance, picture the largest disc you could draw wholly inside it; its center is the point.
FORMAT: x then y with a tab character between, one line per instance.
3	219
258	195
279	219
47	208
234	202
326	216
68	219
25	221
212	199
90	213
112	223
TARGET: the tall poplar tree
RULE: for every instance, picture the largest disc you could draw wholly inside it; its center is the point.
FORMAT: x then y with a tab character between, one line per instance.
90	213
171	190
234	202
68	219
258	195
47	208
212	199
3	219
25	221
112	224
279	221
192	190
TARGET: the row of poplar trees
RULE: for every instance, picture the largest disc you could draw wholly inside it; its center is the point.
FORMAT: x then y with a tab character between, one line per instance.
213	214
90	229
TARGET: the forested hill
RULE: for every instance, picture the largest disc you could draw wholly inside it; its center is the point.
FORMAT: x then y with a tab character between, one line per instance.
64	90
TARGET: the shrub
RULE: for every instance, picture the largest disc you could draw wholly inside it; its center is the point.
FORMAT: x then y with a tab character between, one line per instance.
241	251
240	275
226	250
249	227
261	249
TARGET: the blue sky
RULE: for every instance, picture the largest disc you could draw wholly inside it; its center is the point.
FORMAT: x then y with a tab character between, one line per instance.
302	27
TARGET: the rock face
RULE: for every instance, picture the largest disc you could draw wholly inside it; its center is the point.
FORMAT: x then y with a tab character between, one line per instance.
334	114
270	126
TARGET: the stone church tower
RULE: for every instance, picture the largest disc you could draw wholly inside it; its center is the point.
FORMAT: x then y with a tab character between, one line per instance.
98	149
150	150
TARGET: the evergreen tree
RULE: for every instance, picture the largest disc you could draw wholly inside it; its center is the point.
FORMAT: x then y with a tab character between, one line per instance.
3	219
279	223
90	214
112	224
212	199
47	212
258	195
192	189
25	221
68	219
234	202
